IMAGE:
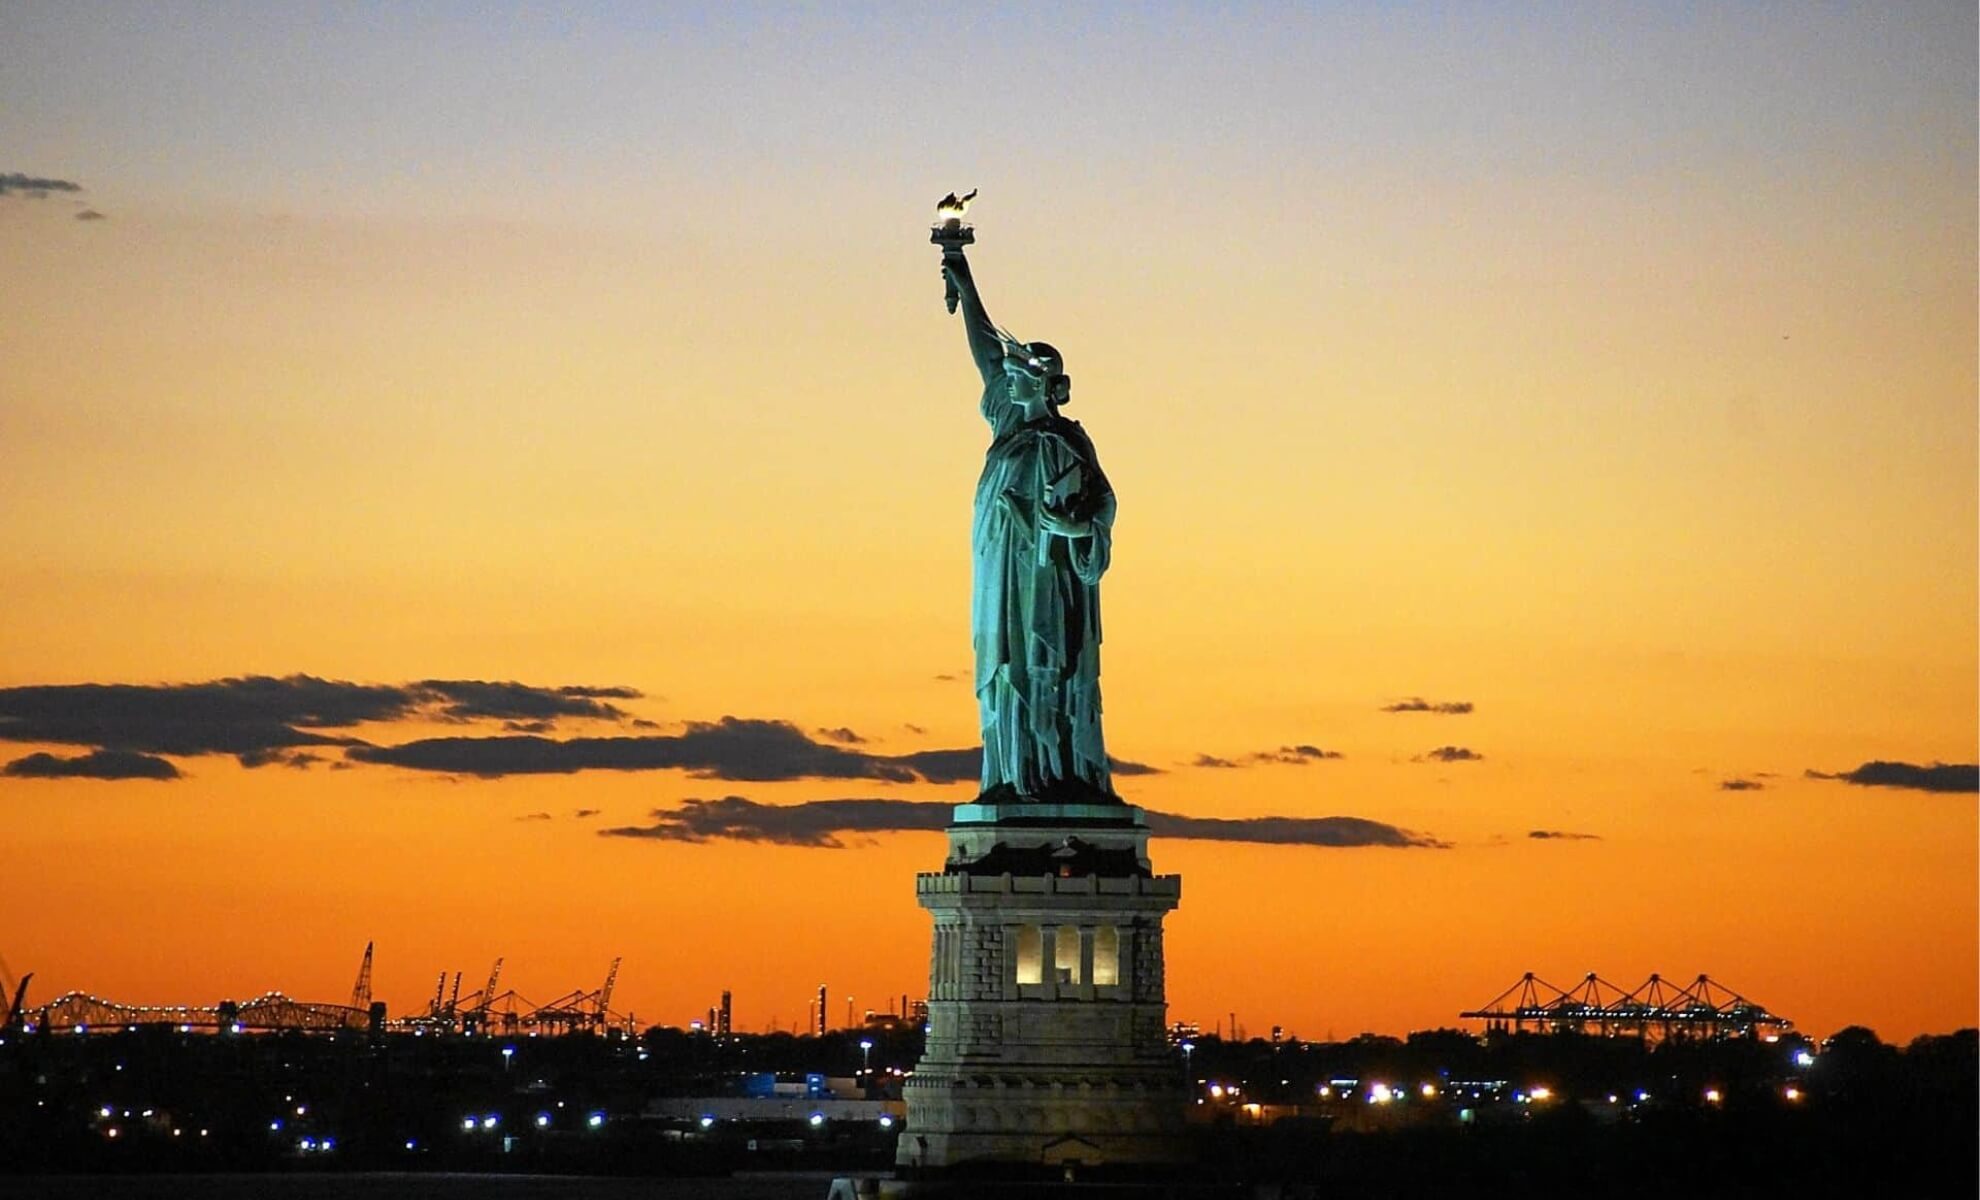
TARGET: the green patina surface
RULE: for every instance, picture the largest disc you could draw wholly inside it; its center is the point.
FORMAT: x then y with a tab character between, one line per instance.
1042	536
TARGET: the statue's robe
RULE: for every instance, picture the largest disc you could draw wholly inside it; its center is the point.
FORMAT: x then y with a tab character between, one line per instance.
1035	612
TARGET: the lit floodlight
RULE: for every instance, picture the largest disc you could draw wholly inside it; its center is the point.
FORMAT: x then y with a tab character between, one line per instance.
1803	1058
707	1122
1380	1093
468	1123
410	1144
886	1120
1429	1091
488	1122
1712	1096
1542	1093
1792	1095
543	1120
595	1120
817	1119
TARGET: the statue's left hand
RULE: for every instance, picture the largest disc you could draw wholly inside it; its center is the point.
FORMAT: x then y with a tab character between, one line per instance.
1061	525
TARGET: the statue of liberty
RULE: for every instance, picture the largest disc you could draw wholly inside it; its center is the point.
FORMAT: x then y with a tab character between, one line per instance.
1042	536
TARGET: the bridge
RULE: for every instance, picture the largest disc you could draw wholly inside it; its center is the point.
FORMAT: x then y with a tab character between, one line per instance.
1655	1010
80	1012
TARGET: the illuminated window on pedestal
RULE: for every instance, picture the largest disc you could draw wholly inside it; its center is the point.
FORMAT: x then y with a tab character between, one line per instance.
1106	955
1065	954
1030	954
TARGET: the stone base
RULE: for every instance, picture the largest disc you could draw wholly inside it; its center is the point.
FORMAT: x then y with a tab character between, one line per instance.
1047	1042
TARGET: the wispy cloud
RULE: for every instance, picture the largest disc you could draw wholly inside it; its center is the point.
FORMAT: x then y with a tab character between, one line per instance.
34	187
1450	754
1296	756
1938	777
1417	704
97	764
1741	785
262	720
826	823
1562	835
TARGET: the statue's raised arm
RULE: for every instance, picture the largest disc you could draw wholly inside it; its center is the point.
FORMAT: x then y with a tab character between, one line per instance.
986	345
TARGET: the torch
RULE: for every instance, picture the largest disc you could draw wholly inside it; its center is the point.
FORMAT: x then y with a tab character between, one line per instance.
951	234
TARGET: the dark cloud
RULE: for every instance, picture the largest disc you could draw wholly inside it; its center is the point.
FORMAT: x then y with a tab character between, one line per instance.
1939	777
90	214
1562	835
1741	785
262	720
301	760
946	677
584	814
530	726
33	187
1417	704
813	823
1289	831
245	717
1451	754
821	823
1297	756
475	699
732	748
97	764
842	735
535	816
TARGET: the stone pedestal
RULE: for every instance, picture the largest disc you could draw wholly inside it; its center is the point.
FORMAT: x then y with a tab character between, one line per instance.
1047	1037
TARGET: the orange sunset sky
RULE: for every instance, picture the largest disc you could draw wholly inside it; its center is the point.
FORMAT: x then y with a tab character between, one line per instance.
1610	370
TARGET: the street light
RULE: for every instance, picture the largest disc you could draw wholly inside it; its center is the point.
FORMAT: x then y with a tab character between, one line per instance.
865	1055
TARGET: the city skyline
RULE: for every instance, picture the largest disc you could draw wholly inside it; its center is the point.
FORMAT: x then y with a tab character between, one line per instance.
498	485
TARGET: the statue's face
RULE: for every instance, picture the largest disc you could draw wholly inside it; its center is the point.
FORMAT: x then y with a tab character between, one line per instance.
1040	376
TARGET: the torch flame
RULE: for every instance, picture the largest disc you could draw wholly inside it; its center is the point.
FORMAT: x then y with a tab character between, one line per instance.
953	206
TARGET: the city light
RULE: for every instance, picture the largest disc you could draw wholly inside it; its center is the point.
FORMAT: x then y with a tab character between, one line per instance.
489	1122
1793	1095
410	1144
1380	1093
1429	1091
817	1119
707	1122
1217	1091
468	1123
886	1120
595	1120
543	1120
1542	1093
1803	1058
1712	1096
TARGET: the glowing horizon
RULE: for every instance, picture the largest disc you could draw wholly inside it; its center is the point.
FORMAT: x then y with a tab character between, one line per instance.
1611	374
